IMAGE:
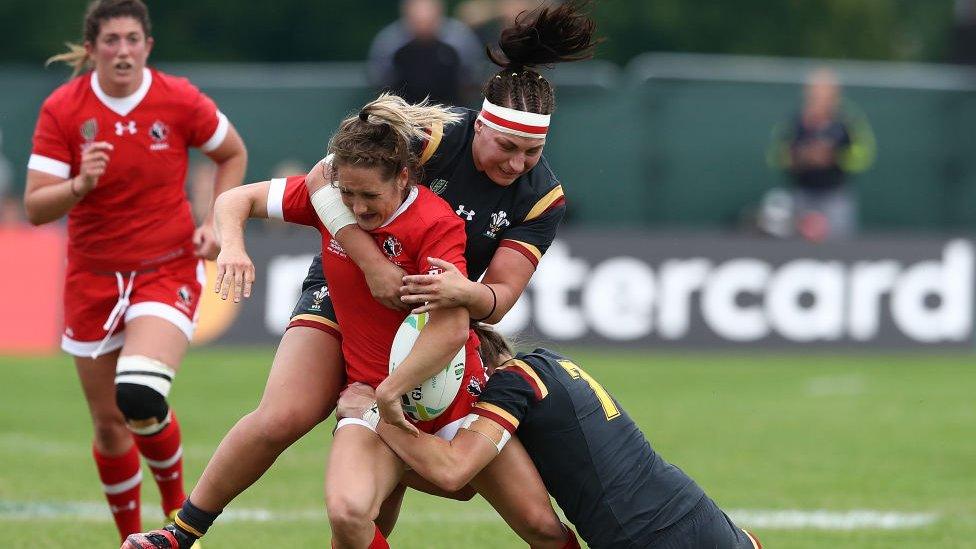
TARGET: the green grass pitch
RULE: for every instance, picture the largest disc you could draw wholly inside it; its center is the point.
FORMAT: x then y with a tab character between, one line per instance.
834	433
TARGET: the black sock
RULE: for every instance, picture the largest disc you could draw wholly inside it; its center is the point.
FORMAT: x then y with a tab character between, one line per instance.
194	521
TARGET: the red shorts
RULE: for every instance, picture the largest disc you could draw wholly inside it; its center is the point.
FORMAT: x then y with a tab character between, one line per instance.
93	300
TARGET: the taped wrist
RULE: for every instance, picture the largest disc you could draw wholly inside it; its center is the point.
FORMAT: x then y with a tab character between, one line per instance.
327	202
370	419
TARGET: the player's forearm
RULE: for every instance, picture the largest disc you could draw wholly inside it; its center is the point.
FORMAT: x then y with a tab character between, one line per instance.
359	245
50	202
508	274
431	457
445	333
231	211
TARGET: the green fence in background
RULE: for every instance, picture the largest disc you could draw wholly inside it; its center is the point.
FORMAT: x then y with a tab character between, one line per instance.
668	141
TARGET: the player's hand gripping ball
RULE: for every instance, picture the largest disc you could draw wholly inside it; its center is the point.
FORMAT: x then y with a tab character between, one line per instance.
432	397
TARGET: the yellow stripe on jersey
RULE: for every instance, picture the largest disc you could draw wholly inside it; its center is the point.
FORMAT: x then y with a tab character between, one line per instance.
520	365
543	204
489	407
436	134
319	319
523	247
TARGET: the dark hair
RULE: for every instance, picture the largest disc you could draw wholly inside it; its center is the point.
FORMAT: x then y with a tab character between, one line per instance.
493	345
542	37
380	134
97	13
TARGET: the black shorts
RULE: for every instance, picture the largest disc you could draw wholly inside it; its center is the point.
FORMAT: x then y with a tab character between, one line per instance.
705	526
314	308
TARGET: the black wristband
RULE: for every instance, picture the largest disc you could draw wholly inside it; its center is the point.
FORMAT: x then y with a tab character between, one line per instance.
494	303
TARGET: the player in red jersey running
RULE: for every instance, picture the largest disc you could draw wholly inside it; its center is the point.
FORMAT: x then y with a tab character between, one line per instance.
375	169
110	151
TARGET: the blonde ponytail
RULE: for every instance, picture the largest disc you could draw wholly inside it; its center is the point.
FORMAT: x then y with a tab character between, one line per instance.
76	57
380	136
408	120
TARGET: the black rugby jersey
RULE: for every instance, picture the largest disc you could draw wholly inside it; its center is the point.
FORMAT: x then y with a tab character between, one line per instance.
522	216
594	460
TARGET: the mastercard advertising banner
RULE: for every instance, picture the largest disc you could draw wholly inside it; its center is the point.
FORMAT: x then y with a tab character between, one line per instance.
634	289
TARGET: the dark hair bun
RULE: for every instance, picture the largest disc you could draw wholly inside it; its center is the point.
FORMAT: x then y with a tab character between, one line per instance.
545	36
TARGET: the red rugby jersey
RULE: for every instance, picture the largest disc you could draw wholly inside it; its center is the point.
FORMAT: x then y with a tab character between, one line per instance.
138	215
424	226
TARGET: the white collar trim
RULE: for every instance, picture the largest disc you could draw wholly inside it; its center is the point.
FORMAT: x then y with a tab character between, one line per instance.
411	197
123	105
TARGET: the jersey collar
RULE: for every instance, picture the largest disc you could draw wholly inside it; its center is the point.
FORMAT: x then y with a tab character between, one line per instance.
411	196
122	105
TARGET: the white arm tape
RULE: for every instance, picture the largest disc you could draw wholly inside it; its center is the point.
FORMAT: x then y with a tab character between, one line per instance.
327	202
372	416
471	418
354	421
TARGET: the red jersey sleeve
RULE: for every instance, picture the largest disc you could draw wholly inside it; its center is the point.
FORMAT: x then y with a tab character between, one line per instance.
51	152
445	239
206	126
288	200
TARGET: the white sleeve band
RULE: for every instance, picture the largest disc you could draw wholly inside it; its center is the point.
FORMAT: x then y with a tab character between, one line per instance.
49	165
217	139
276	199
327	202
353	421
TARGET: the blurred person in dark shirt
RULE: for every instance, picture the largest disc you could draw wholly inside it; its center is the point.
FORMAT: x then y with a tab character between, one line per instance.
827	141
10	211
487	18
426	54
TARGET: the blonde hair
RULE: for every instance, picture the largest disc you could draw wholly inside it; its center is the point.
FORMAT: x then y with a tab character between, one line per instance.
381	134
98	11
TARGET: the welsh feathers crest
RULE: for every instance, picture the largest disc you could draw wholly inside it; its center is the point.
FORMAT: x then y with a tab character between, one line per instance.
499	220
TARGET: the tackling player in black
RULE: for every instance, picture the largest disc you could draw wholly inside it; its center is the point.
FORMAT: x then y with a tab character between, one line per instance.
594	460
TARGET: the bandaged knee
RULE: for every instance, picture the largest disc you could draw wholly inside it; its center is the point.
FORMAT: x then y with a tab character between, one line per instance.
141	387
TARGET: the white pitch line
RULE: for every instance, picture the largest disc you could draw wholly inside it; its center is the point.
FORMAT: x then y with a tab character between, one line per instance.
788	519
822	519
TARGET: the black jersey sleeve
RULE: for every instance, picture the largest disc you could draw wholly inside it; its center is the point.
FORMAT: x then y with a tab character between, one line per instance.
511	391
533	236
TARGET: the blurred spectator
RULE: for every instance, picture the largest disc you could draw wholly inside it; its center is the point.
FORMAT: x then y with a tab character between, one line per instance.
964	32
10	208
819	148
488	17
426	54
289	167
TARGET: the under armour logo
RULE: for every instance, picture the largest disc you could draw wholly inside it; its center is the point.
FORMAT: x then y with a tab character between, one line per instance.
121	128
467	214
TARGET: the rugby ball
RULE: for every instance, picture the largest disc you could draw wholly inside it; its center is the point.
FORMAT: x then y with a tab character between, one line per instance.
429	399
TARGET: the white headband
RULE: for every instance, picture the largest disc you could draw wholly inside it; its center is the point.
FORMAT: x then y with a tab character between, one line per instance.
515	122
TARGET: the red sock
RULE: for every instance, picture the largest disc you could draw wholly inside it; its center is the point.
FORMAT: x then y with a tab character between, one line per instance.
121	479
164	455
379	542
571	541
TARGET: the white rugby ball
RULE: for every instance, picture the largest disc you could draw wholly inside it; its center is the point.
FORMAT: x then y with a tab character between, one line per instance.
432	397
